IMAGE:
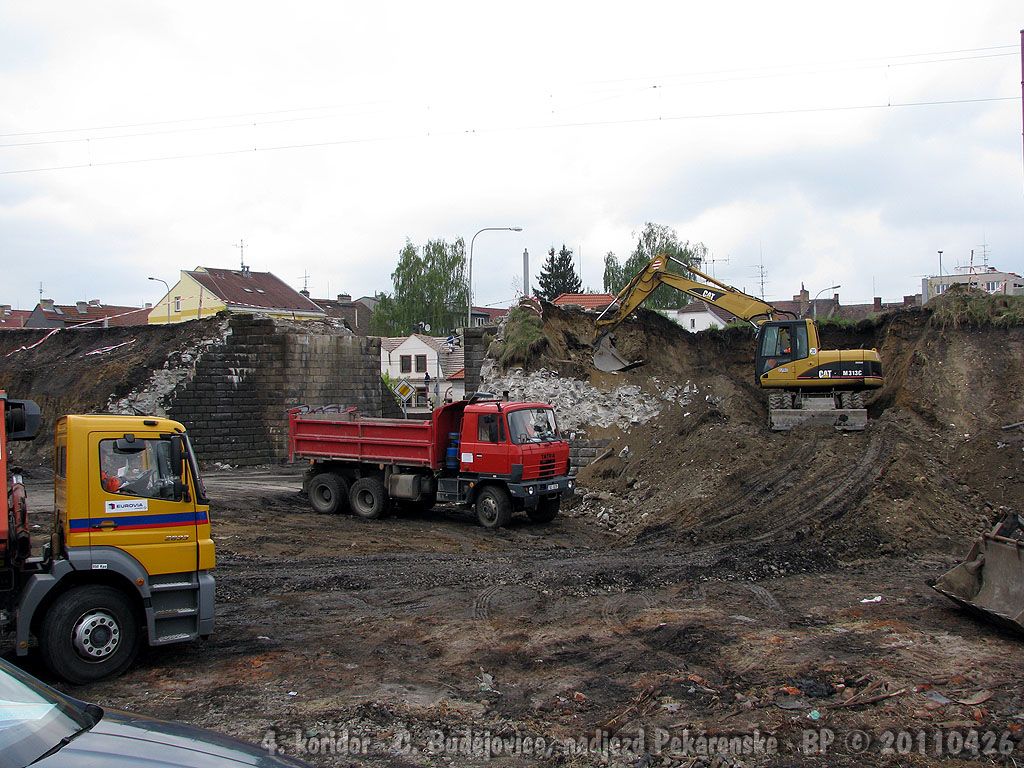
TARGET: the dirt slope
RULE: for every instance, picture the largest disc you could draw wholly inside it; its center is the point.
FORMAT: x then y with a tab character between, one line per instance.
932	468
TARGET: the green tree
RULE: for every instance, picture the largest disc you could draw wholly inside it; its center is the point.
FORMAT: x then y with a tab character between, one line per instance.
613	280
428	286
558	275
654	239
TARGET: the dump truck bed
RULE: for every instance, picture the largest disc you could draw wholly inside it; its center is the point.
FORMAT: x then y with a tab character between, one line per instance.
345	436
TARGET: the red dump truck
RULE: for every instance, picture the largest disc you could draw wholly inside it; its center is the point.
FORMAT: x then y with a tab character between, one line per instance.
491	455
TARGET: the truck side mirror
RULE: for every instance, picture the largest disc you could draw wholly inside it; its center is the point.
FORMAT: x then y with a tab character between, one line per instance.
178	464
22	417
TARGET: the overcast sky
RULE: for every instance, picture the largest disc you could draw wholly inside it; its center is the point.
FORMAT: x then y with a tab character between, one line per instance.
326	134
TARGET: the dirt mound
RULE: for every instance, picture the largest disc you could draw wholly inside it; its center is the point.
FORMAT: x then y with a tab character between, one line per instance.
83	371
931	470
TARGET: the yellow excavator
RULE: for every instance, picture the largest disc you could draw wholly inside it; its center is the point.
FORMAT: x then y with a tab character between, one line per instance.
804	382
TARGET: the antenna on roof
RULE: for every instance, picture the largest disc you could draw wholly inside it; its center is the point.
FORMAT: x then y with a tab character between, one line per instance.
241	247
305	280
40	290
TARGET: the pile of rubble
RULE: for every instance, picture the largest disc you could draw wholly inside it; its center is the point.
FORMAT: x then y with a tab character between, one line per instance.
151	397
581	405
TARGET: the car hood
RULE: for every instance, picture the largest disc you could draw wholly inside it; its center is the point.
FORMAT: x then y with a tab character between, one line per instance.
125	740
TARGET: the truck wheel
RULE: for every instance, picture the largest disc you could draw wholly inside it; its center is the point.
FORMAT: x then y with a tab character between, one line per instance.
89	633
367	498
328	493
546	509
493	507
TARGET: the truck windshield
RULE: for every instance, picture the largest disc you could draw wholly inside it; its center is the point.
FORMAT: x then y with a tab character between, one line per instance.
532	425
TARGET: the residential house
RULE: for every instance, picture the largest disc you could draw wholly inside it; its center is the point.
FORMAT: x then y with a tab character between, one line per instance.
433	365
205	291
803	306
356	314
487	315
593	301
700	316
988	279
84	314
12	318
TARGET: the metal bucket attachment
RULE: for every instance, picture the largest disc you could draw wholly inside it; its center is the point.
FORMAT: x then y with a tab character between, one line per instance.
608	359
990	582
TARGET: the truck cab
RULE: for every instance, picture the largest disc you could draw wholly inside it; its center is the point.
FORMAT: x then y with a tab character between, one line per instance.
130	555
515	448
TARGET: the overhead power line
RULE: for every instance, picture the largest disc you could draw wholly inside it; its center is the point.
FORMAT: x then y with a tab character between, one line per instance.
781	70
542	126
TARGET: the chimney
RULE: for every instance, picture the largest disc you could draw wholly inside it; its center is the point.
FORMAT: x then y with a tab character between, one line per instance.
877	307
804	299
148	305
46	304
835	299
345	298
94	303
83	307
4	309
304	292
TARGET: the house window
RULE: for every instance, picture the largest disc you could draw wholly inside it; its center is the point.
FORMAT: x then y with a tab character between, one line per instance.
405	363
693	323
177	303
421	363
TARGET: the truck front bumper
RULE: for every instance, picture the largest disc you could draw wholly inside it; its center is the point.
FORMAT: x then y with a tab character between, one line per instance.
529	492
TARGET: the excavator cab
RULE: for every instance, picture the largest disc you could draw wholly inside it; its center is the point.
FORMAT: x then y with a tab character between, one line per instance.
780	342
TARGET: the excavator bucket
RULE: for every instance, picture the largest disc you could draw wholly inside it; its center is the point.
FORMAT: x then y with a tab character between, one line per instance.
608	359
990	582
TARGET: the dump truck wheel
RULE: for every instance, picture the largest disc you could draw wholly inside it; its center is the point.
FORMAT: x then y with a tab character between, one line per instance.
546	509
493	507
368	498
89	633
328	493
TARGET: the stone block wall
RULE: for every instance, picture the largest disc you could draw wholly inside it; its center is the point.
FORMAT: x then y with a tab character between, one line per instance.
475	348
583	452
236	404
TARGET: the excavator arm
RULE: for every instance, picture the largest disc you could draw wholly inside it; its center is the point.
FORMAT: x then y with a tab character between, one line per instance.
639	289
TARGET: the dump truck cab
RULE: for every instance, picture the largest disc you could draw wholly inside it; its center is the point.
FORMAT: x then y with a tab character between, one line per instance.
130	555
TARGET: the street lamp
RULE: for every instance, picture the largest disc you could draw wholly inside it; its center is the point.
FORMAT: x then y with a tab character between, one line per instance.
814	303
157	279
469	281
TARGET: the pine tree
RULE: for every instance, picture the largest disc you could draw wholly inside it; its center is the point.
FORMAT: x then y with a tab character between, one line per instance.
558	275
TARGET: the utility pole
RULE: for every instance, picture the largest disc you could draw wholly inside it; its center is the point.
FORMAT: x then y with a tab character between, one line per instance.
526	273
940	263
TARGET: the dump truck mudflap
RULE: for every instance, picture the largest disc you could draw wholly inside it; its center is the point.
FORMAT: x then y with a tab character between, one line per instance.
990	582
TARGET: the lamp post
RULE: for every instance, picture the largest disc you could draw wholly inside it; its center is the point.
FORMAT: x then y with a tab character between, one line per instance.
814	303
469	281
157	279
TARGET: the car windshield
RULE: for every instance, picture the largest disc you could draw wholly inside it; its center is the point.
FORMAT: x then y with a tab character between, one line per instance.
34	719
532	425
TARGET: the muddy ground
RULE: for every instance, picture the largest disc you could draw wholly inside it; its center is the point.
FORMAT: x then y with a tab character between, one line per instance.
398	629
712	577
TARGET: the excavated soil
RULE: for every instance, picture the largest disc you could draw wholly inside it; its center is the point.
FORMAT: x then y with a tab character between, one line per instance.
711	578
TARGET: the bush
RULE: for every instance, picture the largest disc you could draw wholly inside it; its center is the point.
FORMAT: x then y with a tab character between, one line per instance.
524	338
963	305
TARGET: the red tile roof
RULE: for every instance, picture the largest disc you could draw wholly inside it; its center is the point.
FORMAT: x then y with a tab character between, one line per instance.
14	318
259	290
493	313
585	300
99	315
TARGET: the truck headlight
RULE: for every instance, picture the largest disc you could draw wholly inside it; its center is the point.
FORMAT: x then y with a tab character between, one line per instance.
530	490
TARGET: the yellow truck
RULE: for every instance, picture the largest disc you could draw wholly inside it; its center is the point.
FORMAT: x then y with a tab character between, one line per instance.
130	556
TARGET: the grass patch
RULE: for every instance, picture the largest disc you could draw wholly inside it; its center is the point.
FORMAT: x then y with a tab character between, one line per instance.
963	306
524	338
